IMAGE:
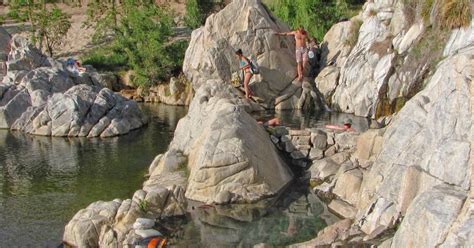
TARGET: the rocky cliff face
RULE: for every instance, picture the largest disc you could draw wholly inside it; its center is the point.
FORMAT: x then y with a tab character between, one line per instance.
381	58
417	172
40	96
248	25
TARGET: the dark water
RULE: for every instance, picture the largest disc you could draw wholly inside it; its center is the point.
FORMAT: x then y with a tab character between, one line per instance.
44	181
295	216
299	119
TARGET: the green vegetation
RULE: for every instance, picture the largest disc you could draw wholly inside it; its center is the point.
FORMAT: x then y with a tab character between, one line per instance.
143	206
445	14
455	14
197	12
140	34
48	25
316	16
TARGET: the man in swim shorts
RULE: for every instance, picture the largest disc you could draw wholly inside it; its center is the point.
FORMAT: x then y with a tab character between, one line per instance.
301	52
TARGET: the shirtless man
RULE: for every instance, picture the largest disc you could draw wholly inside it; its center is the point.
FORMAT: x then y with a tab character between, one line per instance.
301	54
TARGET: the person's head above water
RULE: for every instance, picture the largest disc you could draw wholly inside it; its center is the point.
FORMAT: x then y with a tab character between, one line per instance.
347	123
239	52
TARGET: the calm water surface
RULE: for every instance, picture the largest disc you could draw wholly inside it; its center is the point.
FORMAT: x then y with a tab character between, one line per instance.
45	181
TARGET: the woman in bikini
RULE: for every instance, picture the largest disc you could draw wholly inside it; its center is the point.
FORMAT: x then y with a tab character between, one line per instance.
244	65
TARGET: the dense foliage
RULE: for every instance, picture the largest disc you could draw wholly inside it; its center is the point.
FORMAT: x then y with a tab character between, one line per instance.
48	25
140	40
316	16
196	12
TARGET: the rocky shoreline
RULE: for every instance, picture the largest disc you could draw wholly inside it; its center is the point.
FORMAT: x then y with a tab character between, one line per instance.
388	184
39	96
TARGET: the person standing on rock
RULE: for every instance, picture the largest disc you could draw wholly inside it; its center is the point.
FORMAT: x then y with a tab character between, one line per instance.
301	37
244	66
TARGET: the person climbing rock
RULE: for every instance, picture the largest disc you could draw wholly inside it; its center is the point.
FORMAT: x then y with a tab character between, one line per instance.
346	127
301	37
245	67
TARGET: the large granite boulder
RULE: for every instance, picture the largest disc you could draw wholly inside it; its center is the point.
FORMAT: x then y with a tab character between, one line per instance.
40	96
248	25
4	48
428	145
230	157
382	57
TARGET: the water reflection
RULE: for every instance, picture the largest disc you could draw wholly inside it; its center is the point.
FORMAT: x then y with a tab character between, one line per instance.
295	217
45	180
301	119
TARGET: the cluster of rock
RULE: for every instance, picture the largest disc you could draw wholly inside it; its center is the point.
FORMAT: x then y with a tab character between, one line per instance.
177	92
413	174
250	27
219	155
38	95
300	95
120	223
392	56
312	147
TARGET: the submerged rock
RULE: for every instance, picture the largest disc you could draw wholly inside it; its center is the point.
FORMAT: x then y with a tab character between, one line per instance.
40	96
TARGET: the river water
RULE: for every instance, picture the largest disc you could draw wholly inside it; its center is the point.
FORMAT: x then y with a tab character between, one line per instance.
44	181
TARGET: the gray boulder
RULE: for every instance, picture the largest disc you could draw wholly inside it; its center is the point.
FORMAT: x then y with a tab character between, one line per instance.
244	24
39	96
226	150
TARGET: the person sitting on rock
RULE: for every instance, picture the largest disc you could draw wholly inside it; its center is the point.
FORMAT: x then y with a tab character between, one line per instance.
74	66
301	52
244	66
347	126
314	56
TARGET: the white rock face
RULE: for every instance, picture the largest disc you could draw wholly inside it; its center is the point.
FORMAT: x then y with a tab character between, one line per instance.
244	24
334	47
228	152
39	96
383	70
426	147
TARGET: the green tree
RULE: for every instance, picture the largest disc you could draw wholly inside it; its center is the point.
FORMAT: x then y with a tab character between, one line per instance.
142	42
316	16
48	26
197	12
